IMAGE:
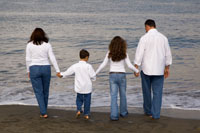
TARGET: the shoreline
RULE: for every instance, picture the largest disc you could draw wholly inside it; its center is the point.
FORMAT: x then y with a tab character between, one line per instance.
25	119
166	112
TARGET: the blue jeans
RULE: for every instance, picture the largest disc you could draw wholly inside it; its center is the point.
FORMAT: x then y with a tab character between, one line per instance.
40	78
118	83
152	106
83	99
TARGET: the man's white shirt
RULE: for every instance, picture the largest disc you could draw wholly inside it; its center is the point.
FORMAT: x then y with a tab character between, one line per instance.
153	53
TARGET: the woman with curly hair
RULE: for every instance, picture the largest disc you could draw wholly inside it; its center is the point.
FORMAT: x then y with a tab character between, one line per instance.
117	57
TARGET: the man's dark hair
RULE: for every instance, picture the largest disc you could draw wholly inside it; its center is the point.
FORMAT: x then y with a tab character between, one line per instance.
84	53
150	23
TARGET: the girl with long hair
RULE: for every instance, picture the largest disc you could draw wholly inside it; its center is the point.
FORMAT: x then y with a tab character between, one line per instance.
117	57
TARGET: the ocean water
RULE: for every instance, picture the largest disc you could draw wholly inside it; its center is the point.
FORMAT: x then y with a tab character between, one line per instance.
75	24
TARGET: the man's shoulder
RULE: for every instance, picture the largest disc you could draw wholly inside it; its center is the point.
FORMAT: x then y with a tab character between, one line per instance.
162	35
143	37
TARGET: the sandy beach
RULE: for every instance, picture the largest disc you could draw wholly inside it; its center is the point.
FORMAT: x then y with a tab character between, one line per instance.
25	119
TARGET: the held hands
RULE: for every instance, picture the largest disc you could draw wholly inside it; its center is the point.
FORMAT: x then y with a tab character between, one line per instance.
136	74
59	75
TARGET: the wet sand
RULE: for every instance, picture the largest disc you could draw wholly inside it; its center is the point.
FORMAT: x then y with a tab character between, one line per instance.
25	119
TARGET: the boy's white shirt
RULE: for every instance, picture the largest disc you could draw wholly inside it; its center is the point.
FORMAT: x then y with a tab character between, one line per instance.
84	73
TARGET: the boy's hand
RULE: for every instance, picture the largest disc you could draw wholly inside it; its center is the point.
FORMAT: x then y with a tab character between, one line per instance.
59	75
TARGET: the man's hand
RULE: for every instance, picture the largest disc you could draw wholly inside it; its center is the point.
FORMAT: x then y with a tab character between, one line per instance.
166	72
59	75
136	74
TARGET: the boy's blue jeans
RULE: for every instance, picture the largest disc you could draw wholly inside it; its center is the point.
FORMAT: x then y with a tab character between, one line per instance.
118	83
152	106
40	78
83	99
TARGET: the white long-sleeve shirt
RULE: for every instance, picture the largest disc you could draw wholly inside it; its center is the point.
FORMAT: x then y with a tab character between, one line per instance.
83	75
39	55
153	53
117	66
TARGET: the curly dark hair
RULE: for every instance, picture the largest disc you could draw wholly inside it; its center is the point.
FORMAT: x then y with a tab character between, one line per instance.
38	36
117	49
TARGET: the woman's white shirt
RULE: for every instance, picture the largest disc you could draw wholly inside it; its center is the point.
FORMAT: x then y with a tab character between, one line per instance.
40	55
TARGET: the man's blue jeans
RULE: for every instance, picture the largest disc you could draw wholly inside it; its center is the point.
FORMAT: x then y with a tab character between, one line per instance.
83	99
118	83
152	106
40	78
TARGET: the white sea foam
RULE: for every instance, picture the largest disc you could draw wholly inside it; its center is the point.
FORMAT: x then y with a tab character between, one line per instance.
134	99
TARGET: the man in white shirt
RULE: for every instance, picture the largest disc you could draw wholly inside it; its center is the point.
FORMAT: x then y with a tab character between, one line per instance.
154	56
83	84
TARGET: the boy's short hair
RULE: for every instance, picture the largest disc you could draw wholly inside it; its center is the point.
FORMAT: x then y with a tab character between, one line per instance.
150	23
84	53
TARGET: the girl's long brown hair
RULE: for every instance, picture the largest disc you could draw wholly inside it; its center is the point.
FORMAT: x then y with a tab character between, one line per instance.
117	49
38	36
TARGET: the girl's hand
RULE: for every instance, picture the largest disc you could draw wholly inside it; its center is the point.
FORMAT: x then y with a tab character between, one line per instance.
136	74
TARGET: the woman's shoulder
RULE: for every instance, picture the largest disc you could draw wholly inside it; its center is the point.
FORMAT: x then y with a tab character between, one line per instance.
46	43
29	44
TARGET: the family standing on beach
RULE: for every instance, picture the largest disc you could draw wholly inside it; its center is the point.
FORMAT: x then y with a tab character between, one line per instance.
152	54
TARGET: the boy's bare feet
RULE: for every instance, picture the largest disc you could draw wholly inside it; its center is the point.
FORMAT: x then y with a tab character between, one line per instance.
86	117
78	114
44	116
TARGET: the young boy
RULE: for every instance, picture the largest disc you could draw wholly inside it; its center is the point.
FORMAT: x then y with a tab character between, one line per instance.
83	84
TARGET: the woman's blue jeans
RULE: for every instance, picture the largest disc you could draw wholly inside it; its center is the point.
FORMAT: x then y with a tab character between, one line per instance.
118	84
40	78
152	106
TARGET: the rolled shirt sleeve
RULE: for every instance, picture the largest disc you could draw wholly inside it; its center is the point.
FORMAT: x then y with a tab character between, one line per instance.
139	52
168	55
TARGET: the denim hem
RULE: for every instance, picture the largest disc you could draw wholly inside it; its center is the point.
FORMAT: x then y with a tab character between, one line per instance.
114	119
124	115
